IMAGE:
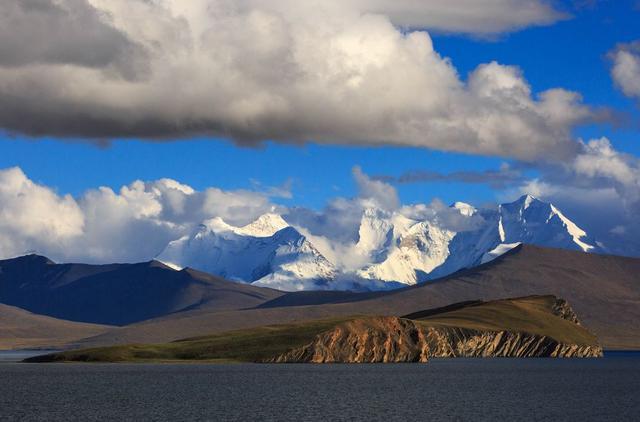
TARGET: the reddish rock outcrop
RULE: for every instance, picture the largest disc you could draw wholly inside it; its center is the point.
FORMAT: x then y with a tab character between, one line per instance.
393	339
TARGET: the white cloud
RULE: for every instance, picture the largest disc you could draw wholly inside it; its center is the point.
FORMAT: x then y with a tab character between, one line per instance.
465	16
326	71
338	221
30	213
136	222
626	68
284	191
600	160
380	193
133	224
445	216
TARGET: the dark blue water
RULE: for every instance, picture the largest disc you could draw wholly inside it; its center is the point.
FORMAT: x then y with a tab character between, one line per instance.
442	390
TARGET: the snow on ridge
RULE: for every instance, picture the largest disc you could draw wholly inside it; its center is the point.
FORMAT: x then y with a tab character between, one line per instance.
498	251
267	252
264	226
394	248
576	232
528	200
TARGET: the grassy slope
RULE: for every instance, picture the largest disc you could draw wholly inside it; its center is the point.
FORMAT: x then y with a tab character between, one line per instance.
530	315
250	345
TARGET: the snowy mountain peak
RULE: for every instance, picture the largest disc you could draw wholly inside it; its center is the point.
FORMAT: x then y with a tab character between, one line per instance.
464	208
427	250
375	232
266	225
391	247
267	252
410	253
215	224
527	200
530	220
524	203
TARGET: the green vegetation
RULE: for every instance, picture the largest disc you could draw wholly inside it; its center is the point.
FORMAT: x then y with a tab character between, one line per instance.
250	345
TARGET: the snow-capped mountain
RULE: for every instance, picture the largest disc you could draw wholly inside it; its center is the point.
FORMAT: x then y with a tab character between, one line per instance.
529	220
424	250
411	249
395	246
267	252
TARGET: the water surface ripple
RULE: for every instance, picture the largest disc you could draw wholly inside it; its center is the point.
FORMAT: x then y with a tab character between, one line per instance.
442	390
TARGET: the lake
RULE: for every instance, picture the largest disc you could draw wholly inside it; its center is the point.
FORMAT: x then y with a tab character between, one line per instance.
442	390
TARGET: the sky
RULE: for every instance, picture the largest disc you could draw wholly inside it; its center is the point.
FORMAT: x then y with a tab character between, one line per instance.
474	101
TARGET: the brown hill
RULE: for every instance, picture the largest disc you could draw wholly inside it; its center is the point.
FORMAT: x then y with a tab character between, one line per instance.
603	290
536	326
118	294
21	329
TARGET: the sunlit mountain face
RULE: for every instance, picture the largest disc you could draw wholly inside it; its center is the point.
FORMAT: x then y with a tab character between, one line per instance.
393	249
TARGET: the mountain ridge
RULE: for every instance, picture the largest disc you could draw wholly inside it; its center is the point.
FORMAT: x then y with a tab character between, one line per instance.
117	294
603	289
394	247
261	252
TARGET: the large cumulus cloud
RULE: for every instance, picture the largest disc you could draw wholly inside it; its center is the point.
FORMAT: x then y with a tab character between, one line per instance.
68	32
290	71
32	214
132	224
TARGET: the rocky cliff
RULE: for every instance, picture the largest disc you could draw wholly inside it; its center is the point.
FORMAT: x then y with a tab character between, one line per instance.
394	339
377	339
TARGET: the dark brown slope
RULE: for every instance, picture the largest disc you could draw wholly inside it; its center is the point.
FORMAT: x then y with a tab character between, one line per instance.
604	291
22	329
118	294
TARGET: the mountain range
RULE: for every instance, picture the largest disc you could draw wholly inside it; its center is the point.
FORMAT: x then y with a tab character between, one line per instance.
118	294
153	303
268	252
394	248
224	277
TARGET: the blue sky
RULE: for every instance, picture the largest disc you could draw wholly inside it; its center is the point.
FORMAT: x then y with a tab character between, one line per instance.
571	54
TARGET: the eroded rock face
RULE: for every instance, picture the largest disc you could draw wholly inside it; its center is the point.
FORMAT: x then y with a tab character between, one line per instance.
457	342
562	309
392	339
377	339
